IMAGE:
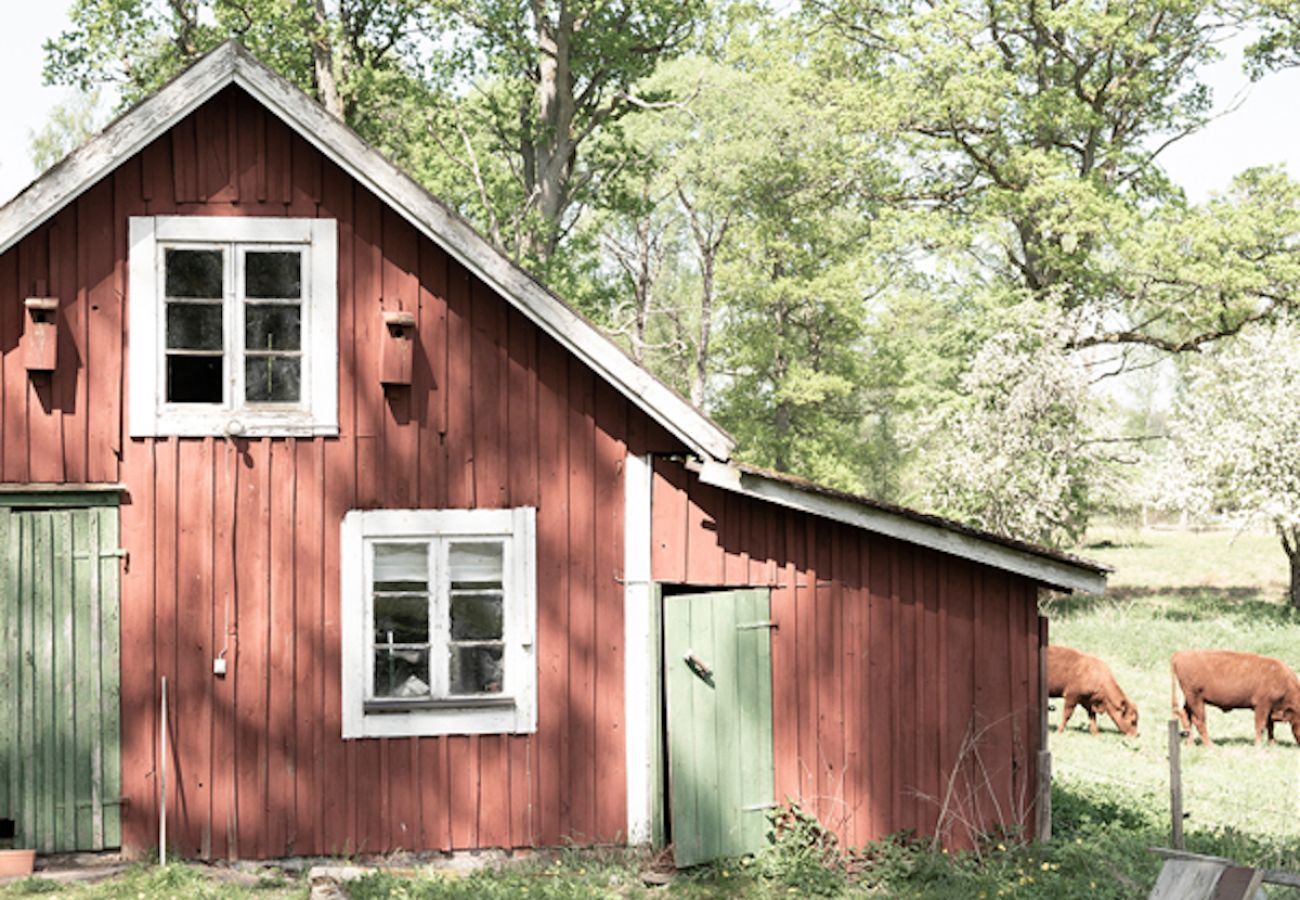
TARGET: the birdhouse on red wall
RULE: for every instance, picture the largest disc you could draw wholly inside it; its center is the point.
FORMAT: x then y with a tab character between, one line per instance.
398	355
41	334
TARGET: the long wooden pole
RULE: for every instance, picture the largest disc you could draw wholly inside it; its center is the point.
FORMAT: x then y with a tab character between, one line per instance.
1176	785
162	780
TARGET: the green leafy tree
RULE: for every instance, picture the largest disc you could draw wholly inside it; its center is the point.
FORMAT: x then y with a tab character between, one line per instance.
1235	435
327	48
543	88
69	125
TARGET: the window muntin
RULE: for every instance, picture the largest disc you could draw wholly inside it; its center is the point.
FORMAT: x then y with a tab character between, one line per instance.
439	612
244	325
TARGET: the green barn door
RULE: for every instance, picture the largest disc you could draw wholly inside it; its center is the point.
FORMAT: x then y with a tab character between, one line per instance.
60	767
718	659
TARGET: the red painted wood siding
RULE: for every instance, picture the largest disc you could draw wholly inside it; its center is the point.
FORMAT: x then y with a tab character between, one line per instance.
234	545
885	657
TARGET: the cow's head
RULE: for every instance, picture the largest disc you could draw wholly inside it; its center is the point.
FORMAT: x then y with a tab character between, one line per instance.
1128	717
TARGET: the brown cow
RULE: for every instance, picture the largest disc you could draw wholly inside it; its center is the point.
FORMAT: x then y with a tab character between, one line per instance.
1083	678
1234	681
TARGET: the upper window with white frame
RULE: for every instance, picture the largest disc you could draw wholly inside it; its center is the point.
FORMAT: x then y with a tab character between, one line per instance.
234	326
439	622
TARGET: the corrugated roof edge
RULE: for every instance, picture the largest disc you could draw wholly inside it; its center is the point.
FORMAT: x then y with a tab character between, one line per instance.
1051	567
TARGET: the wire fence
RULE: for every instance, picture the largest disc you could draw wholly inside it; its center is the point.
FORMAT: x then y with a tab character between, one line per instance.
1205	805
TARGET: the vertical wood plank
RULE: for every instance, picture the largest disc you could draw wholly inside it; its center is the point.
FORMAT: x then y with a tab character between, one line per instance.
70	382
339	496
63	667
280	642
227	461
807	659
462	763
28	825
785	674
582	613
668	518
191	691
138	610
309	664
854	599
166	584
95	223
552	590
13	393
880	668
610	753
250	615
10	681
44	436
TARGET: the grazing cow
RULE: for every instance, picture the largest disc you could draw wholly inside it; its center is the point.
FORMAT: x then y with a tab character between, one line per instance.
1234	681
1083	678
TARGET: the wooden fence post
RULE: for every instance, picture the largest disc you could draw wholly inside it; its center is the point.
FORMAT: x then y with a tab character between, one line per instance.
1176	785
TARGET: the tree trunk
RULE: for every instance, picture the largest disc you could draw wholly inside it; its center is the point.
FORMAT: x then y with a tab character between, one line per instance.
322	55
1290	535
1295	580
553	148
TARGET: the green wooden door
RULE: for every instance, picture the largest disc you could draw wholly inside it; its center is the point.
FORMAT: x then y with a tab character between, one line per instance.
718	658
60	766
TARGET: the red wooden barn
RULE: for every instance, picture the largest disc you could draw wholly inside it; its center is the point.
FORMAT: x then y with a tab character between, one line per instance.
425	561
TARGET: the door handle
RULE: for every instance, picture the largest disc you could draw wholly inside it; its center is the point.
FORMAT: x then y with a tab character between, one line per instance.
698	666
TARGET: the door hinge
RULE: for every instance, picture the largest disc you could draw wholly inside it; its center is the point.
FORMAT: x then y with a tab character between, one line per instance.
119	553
752	626
757	807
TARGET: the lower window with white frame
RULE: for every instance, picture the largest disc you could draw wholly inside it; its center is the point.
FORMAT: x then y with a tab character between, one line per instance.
439	613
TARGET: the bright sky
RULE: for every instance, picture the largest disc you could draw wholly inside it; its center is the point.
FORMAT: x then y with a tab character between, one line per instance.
1263	130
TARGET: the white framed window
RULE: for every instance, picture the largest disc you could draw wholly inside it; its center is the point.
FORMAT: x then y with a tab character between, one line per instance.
439	622
233	326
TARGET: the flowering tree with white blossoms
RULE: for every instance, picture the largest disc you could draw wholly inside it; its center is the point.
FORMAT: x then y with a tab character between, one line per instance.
1015	454
1235	435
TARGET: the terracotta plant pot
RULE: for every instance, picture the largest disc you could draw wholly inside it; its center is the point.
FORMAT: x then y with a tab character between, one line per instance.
16	862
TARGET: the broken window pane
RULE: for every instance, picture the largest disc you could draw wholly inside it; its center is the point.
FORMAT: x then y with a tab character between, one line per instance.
272	327
272	379
476	617
273	274
194	326
194	379
401	673
195	273
476	669
401	619
401	567
476	563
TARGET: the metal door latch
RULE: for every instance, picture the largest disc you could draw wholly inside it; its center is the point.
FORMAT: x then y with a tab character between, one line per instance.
698	666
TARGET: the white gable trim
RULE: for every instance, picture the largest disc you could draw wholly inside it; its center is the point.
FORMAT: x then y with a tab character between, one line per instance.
1051	572
231	64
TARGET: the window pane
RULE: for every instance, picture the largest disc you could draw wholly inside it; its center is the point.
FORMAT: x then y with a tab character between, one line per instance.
276	275
272	379
476	670
401	673
476	563
401	620
401	567
272	327
193	326
194	273
194	379
476	617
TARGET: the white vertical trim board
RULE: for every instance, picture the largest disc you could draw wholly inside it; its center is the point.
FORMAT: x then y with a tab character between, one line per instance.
640	668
